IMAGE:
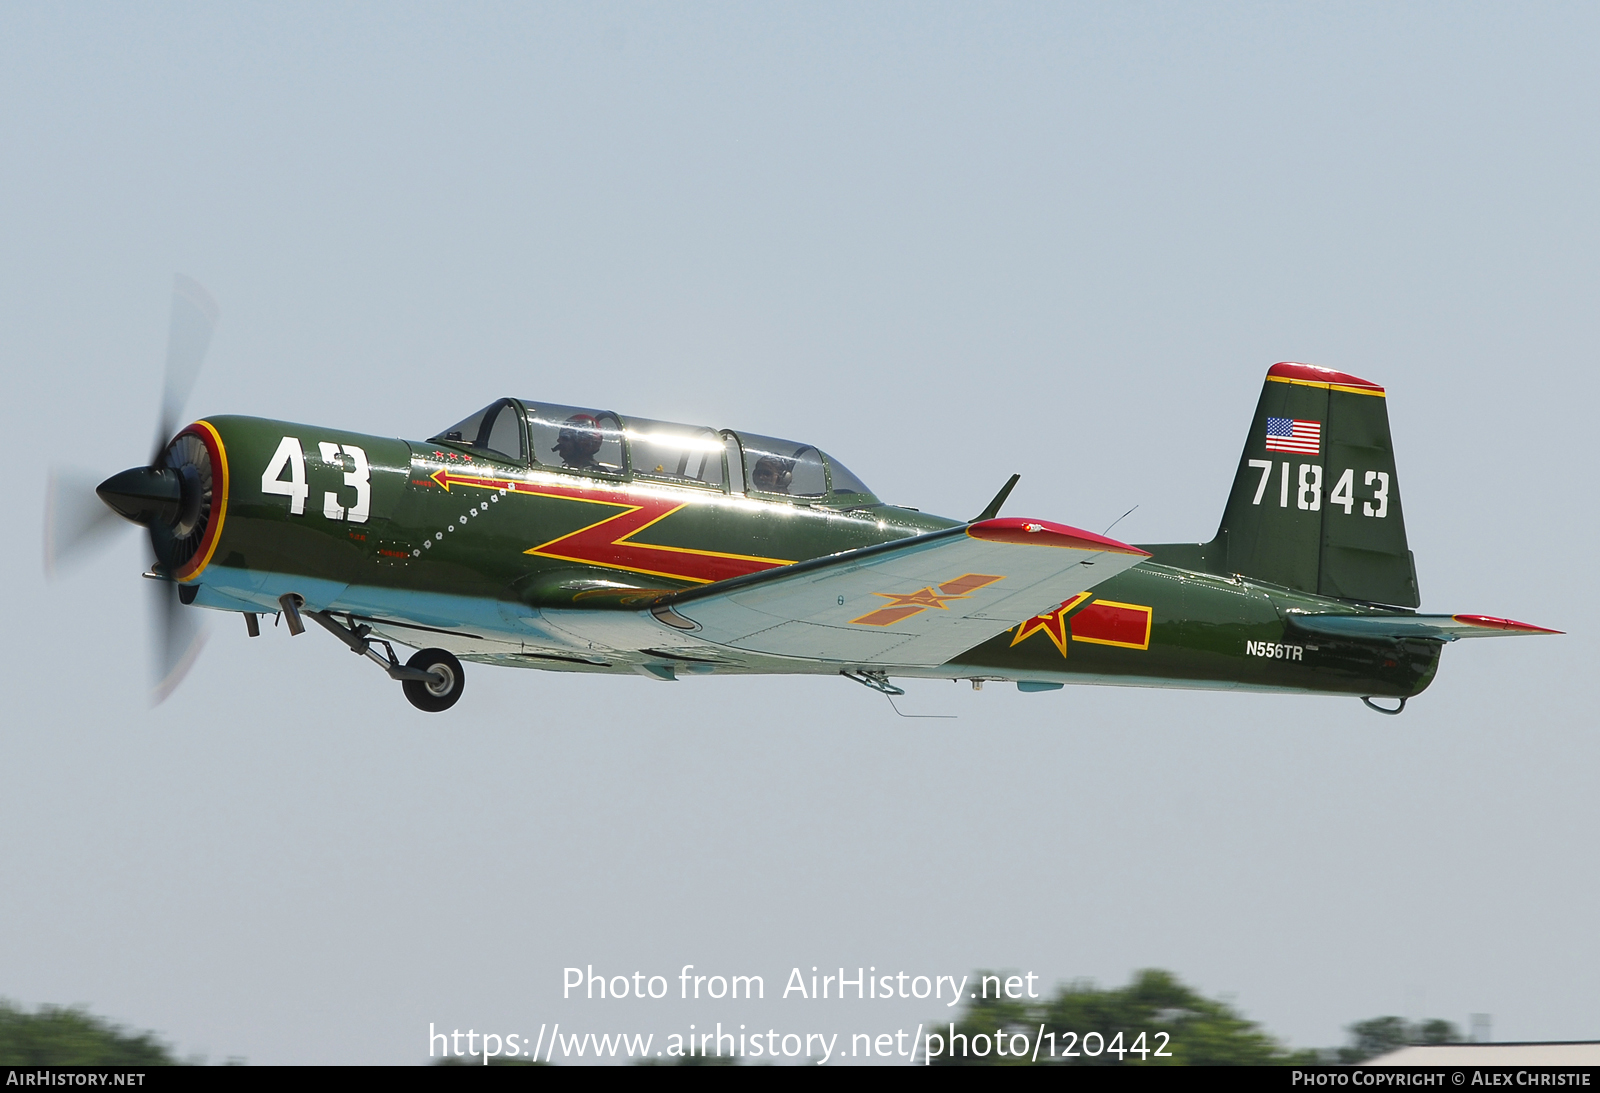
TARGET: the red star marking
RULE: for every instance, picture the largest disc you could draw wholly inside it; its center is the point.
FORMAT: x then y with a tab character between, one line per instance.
1053	624
926	597
903	605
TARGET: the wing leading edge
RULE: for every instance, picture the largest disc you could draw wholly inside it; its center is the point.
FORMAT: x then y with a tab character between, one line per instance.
915	602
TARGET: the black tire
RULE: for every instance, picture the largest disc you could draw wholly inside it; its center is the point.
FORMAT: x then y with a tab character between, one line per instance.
431	697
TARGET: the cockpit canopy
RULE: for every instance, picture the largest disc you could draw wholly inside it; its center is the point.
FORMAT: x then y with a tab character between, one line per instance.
600	443
495	430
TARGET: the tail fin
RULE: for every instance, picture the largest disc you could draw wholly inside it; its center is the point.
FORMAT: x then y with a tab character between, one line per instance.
1316	503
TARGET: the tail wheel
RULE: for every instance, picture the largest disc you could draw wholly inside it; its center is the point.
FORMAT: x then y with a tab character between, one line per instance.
441	692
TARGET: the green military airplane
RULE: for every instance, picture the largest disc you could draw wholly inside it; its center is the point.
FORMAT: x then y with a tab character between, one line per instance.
578	539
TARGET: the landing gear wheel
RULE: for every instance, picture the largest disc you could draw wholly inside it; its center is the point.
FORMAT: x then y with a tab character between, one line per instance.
440	694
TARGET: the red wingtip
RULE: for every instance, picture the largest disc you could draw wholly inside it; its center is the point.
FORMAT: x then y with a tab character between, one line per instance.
1290	370
1013	529
1503	624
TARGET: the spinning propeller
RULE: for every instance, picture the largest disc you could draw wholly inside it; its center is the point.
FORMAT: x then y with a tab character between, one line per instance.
171	496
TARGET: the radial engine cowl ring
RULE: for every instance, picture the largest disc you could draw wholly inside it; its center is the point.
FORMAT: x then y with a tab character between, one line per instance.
177	538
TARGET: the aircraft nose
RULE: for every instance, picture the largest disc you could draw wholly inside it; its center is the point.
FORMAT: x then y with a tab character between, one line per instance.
144	494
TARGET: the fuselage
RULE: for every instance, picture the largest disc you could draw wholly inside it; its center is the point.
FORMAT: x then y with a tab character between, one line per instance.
538	565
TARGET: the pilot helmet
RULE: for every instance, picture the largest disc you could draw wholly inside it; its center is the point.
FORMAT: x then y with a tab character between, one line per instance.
580	436
772	474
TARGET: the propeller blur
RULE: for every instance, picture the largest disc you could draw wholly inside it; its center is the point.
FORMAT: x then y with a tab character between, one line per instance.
167	497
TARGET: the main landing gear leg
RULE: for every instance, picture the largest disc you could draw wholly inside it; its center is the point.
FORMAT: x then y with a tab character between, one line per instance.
432	679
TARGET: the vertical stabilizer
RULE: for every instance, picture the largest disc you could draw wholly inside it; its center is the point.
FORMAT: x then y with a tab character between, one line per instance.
1316	503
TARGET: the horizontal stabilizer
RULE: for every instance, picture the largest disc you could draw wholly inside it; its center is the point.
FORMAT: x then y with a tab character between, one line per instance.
913	602
1435	627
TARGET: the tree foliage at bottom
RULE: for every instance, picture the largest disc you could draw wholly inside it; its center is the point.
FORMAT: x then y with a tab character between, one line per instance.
1381	1035
73	1037
1155	1012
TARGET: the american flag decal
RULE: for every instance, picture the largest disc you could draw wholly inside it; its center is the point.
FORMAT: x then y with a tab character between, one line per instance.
1292	435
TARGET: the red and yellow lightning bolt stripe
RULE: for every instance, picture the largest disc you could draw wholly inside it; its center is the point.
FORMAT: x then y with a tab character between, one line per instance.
607	542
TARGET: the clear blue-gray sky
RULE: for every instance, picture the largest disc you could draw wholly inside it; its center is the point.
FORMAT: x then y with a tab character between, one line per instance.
944	242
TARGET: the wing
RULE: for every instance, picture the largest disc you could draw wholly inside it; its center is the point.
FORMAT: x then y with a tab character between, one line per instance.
1436	627
914	602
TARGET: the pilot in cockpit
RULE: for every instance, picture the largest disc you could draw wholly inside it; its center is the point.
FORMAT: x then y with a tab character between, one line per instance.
772	474
578	443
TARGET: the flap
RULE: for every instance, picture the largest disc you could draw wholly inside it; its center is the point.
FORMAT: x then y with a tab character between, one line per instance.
914	602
